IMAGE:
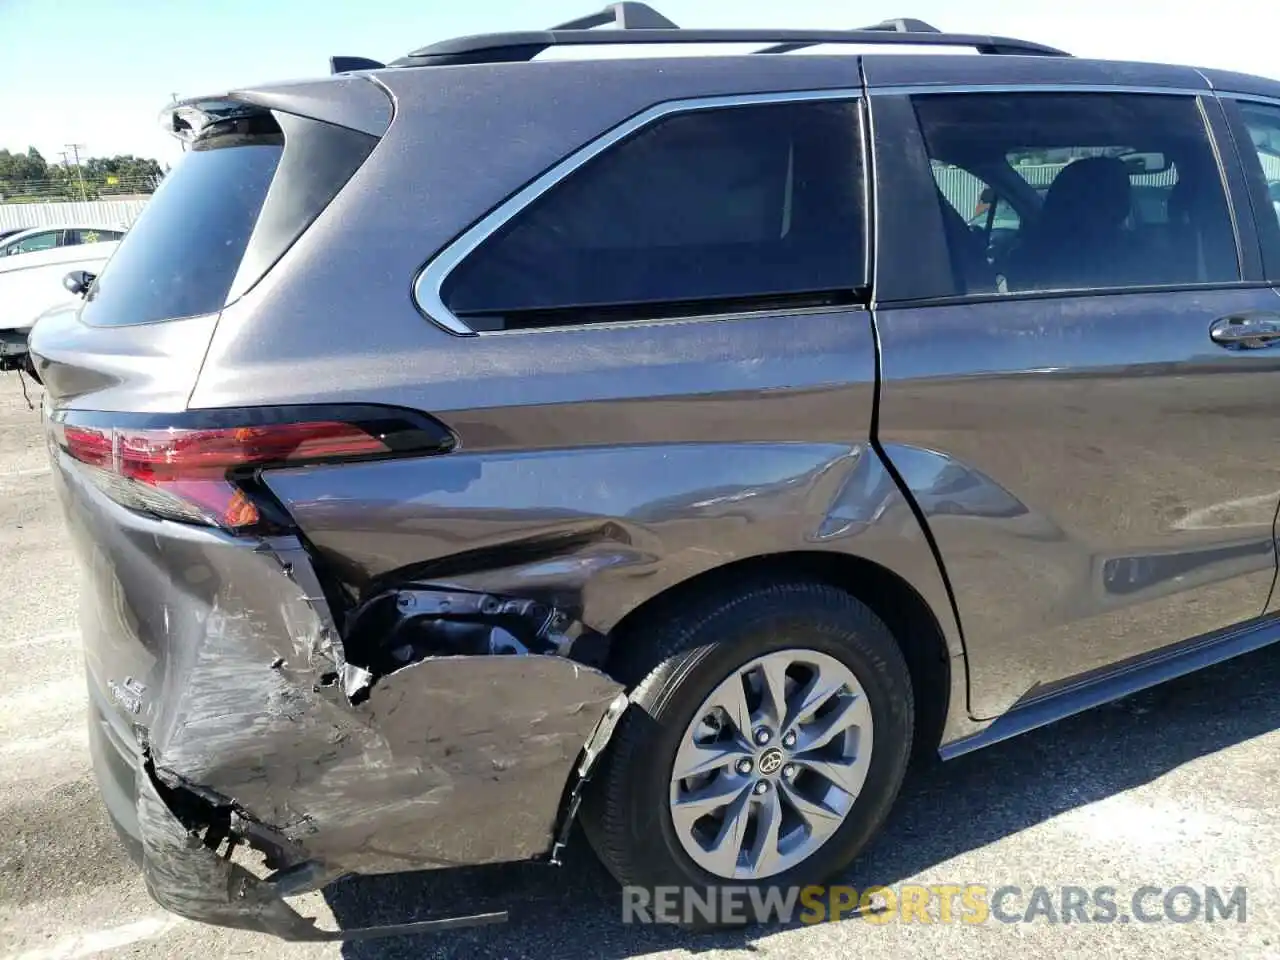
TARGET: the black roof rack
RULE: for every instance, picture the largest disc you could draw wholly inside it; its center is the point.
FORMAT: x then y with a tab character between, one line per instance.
635	23
623	16
901	25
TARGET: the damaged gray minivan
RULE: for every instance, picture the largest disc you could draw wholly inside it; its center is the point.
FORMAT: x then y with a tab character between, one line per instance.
469	447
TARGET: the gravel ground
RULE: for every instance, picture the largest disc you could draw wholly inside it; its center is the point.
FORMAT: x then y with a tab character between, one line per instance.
1176	786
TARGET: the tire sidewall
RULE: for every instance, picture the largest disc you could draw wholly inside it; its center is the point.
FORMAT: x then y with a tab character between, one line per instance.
692	679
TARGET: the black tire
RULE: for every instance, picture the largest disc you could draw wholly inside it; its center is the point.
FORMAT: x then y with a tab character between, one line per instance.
676	663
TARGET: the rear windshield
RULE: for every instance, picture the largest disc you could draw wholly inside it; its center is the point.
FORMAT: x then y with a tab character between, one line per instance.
185	252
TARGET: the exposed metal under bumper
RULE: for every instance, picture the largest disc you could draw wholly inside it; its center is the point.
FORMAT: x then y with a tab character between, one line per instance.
187	878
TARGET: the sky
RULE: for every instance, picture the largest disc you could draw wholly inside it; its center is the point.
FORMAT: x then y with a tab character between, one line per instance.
97	72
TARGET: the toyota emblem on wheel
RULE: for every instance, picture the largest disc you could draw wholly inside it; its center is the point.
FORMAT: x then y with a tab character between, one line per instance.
771	761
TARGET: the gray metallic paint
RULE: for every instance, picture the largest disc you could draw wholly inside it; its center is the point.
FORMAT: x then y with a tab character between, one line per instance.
357	102
1098	475
146	368
743	438
1095	474
359	259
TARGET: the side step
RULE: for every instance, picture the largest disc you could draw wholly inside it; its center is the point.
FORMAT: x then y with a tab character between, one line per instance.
1091	690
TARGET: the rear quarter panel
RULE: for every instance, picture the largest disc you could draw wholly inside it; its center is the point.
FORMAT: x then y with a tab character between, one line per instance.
600	465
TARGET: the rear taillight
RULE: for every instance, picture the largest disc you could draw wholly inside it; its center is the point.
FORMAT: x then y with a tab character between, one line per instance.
199	467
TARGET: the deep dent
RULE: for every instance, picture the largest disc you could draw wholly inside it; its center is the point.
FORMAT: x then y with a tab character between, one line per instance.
438	728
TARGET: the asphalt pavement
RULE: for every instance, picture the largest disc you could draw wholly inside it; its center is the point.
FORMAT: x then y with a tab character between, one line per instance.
1176	787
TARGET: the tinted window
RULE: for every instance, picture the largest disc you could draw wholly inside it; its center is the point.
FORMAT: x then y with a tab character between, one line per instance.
1091	190
1263	123
92	235
182	253
213	227
709	210
983	224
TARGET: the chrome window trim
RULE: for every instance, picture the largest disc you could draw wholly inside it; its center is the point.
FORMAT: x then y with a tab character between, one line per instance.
914	90
1248	98
430	281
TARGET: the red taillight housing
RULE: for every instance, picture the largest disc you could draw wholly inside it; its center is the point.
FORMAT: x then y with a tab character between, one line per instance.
200	473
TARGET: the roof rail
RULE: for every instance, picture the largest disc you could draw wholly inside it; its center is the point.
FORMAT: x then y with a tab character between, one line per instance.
638	23
904	25
900	25
519	47
623	16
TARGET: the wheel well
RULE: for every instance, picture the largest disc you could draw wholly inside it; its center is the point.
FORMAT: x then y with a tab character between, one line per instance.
890	597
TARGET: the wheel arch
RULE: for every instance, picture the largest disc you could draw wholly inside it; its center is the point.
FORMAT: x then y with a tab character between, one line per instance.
937	683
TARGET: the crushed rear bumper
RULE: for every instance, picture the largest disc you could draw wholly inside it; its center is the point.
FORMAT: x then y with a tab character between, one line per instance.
223	719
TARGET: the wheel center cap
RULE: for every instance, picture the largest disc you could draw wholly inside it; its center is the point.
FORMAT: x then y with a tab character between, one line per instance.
770	761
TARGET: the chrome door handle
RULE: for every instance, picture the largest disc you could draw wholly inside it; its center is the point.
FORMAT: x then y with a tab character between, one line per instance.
1246	331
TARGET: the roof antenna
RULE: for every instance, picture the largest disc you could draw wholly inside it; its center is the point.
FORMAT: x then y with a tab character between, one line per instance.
627	15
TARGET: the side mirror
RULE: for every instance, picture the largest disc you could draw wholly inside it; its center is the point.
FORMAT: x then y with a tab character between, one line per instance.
78	282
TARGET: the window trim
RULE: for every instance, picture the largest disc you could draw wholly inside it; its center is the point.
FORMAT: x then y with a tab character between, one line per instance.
914	90
1224	155
429	283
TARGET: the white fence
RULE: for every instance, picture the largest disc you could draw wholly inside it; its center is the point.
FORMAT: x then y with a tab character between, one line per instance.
99	213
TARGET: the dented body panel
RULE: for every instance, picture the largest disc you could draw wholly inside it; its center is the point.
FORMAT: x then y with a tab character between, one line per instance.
604	530
448	760
406	664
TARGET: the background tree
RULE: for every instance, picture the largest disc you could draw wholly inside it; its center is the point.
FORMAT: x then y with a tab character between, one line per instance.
28	177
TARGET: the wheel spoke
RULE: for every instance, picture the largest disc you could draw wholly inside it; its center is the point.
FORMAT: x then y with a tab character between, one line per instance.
732	698
818	719
820	819
690	807
725	850
695	759
765	855
816	692
851	711
773	673
847	775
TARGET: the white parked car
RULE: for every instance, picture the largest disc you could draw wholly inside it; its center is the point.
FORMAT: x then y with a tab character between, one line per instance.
33	265
52	236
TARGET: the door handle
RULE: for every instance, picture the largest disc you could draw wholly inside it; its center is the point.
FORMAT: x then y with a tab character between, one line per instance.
1246	331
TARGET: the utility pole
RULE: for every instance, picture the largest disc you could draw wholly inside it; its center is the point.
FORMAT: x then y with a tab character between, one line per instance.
75	152
66	164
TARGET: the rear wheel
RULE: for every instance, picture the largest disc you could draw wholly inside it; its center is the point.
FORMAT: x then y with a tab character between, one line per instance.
767	738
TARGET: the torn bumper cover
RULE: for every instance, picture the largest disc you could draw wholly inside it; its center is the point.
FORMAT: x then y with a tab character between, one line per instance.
226	721
188	878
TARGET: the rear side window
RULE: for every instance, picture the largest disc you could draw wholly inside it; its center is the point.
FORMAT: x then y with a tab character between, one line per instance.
723	209
34	243
246	189
92	235
1079	191
1263	123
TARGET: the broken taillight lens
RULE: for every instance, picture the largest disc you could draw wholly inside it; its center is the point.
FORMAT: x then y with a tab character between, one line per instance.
197	473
